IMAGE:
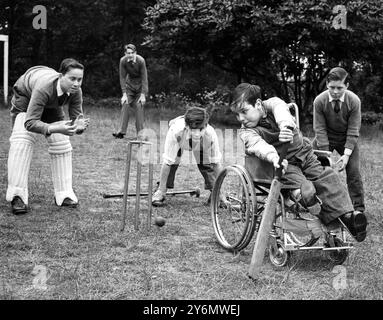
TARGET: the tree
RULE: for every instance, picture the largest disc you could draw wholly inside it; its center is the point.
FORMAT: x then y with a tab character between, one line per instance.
286	46
91	31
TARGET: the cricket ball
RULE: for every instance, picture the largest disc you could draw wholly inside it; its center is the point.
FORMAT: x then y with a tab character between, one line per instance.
159	221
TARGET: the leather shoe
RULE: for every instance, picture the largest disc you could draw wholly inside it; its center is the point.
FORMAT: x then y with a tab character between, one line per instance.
18	206
118	135
356	224
68	203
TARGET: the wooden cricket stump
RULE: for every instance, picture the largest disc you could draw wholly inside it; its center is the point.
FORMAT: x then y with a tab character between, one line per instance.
136	216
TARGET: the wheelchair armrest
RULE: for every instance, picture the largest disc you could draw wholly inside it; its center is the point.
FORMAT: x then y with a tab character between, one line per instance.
324	158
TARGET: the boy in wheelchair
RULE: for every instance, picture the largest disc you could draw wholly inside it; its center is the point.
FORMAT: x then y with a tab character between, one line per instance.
266	126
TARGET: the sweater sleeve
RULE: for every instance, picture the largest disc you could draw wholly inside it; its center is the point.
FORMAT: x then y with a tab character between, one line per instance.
123	73
144	77
354	124
254	144
75	105
320	127
37	103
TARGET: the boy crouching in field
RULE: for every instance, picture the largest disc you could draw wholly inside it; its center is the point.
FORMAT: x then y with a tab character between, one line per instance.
264	130
189	132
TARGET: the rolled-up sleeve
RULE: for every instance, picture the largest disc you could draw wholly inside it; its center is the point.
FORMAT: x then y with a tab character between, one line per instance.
281	112
255	145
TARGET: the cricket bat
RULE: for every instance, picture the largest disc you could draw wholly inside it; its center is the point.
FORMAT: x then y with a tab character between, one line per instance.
268	218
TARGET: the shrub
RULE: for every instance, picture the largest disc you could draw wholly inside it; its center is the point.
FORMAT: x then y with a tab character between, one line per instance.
108	103
371	118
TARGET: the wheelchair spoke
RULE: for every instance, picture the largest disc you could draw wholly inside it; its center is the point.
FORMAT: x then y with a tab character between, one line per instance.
233	223
229	197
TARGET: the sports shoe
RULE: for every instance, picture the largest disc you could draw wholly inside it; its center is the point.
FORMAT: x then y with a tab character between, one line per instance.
18	206
356	224
158	199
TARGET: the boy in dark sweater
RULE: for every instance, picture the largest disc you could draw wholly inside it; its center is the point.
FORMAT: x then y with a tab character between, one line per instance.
37	109
134	86
265	128
337	121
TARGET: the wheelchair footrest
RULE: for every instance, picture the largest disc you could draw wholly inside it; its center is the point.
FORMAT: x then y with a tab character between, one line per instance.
345	247
291	247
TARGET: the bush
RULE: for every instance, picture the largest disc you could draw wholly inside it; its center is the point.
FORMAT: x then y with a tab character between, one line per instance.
173	100
368	88
215	101
371	118
108	103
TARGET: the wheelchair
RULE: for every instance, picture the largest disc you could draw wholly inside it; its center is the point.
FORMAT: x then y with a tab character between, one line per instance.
239	198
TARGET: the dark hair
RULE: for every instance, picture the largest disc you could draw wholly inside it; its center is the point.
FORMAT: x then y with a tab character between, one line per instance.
130	46
245	92
338	74
70	63
196	117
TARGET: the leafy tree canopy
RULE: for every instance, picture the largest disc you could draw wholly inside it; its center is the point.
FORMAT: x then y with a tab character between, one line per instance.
274	43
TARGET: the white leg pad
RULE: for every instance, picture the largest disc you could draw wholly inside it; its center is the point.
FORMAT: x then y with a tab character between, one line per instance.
60	150
19	159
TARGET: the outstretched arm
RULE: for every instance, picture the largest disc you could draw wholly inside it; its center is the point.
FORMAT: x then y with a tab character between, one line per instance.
254	144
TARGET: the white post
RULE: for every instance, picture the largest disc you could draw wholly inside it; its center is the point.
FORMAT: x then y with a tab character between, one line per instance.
6	53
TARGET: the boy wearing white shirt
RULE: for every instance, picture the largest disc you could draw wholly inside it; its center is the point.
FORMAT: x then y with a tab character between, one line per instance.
189	132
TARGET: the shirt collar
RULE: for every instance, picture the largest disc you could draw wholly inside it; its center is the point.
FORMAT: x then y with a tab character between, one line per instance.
59	90
134	59
331	99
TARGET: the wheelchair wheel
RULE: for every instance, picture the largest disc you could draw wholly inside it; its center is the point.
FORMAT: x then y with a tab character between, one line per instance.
255	211
279	257
338	256
234	221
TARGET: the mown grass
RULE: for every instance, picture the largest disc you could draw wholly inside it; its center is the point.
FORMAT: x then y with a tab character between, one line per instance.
87	257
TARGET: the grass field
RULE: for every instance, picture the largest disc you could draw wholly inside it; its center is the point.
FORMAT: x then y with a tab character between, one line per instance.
85	256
